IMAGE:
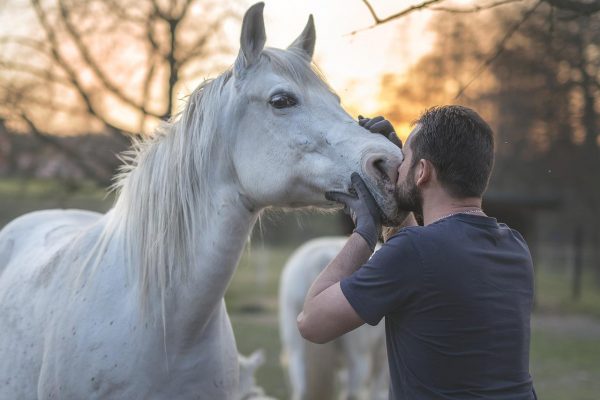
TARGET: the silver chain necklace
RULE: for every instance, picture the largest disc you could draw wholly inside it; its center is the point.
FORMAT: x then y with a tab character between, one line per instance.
474	211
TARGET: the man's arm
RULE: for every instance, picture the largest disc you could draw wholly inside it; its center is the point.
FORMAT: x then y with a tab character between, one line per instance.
327	314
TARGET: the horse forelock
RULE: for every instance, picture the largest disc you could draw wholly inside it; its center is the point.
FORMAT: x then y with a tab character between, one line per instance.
293	65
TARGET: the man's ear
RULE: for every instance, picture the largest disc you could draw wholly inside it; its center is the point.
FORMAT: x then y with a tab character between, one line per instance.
424	171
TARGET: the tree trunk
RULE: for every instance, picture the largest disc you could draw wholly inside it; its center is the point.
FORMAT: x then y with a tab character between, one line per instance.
577	263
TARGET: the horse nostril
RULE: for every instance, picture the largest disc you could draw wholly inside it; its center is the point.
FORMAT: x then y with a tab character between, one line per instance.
378	167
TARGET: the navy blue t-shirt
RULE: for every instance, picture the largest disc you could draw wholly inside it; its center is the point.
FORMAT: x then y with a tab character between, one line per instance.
456	296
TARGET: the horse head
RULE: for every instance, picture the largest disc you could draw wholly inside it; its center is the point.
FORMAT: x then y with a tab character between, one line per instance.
294	140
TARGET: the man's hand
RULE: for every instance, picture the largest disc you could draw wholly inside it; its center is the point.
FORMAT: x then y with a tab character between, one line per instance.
362	208
382	126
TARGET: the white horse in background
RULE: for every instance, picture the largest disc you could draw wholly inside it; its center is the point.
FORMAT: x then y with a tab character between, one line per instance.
359	357
129	304
247	387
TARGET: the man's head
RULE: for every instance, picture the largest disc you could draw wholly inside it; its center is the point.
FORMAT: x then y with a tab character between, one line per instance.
450	146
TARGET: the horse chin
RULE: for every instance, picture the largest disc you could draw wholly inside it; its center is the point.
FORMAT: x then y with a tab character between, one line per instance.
391	215
395	218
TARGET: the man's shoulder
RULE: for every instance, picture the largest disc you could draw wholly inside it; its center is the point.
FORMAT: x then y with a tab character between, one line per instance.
412	233
405	234
455	231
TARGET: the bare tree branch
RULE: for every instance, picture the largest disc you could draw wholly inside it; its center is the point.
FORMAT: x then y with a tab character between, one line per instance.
580	7
151	34
37	45
16	95
173	67
406	11
399	14
186	7
41	73
62	54
93	65
184	55
476	8
200	71
146	89
70	72
74	156
123	13
158	11
500	46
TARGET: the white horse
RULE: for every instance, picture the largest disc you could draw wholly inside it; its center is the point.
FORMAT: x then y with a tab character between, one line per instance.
359	357
247	387
129	305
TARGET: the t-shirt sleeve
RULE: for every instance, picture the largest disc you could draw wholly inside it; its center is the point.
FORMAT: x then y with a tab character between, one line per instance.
387	282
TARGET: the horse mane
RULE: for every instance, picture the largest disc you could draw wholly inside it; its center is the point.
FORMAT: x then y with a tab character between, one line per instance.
162	191
163	201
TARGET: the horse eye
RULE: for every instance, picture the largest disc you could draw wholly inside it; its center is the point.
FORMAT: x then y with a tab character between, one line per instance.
283	100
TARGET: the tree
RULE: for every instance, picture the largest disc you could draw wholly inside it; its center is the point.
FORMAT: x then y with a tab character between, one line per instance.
568	8
540	90
561	68
108	66
578	7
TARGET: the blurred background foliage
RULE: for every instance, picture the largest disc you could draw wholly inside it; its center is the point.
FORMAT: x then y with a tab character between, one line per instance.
75	88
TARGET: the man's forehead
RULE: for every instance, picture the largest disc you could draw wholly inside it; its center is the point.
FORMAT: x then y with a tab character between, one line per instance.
412	134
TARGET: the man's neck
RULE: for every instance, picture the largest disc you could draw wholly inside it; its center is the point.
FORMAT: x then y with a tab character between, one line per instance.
441	205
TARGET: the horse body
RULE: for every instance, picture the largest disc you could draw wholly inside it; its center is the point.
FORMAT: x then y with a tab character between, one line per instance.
129	305
360	354
63	323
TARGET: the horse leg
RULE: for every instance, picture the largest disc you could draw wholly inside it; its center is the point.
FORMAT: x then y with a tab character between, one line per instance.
321	366
359	369
381	373
297	374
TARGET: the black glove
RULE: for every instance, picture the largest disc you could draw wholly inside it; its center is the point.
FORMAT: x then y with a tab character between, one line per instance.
362	208
382	126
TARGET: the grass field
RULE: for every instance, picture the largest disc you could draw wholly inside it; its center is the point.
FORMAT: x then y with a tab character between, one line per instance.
565	348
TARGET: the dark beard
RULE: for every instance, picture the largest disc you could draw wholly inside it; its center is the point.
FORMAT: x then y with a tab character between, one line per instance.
408	195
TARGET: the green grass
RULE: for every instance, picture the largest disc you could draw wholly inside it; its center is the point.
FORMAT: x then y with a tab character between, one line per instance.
252	304
18	197
256	280
554	295
565	364
259	331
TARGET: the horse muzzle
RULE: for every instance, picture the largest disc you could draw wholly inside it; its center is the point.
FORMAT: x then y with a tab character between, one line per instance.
380	172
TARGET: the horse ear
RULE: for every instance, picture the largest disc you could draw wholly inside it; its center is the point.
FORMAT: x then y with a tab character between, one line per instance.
306	40
253	38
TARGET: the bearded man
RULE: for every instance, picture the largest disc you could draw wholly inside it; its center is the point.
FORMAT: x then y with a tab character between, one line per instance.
456	292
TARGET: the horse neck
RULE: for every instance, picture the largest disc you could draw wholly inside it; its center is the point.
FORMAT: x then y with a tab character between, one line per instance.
184	231
191	304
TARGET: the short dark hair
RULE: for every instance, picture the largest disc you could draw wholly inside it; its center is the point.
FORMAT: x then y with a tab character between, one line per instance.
460	145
